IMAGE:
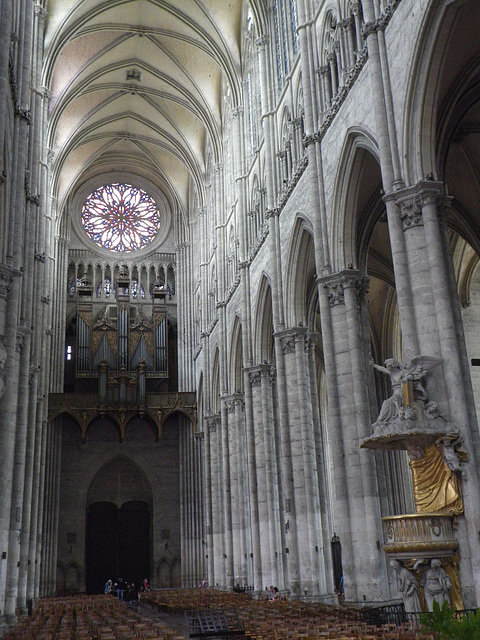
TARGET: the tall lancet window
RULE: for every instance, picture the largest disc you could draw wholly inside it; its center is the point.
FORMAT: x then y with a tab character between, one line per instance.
285	30
251	85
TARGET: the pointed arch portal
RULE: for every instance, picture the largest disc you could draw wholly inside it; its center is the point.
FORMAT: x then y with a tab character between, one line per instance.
117	543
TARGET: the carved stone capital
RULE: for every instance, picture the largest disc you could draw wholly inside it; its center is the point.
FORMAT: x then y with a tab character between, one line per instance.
337	283
412	200
212	422
234	401
255	378
290	338
353	280
40	11
288	343
261	372
262	41
229	405
6	279
335	292
270	213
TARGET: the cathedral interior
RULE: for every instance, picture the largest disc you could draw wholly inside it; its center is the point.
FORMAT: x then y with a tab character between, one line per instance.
240	297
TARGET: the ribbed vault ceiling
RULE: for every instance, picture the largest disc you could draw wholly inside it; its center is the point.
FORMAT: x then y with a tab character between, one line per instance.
137	87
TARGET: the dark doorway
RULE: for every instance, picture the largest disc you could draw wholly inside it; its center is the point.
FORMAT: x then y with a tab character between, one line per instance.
337	564
117	544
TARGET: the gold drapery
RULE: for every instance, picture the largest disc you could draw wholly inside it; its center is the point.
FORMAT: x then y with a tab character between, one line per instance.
436	488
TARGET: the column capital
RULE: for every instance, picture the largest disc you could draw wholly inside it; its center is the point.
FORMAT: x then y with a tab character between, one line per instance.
259	372
40	11
337	283
212	422
233	401
411	200
262	41
290	337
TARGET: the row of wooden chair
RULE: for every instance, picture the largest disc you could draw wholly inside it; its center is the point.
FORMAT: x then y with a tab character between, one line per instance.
88	618
283	619
106	618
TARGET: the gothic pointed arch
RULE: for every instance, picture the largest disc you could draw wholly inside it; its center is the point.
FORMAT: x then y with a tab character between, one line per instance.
119	480
236	358
301	273
357	199
215	384
263	340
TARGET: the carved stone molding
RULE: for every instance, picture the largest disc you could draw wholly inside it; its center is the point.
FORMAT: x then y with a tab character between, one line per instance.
350	77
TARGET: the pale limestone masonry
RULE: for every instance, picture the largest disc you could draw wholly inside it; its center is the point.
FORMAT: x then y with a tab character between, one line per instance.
317	171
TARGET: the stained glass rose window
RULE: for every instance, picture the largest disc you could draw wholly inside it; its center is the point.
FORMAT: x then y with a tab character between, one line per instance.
120	217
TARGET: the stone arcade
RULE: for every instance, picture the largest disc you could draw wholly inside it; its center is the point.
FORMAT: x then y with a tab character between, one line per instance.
240	297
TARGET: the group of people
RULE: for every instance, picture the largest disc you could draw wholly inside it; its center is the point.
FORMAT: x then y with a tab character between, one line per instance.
125	591
273	593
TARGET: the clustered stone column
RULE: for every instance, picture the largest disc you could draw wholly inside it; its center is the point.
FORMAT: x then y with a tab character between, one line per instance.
356	492
26	277
191	507
434	324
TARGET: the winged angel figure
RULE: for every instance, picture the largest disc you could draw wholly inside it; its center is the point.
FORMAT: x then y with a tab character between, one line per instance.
415	372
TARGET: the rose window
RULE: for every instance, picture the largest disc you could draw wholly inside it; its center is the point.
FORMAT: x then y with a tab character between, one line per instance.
120	217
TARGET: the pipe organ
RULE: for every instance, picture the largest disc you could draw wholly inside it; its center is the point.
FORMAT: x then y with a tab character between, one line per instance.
121	336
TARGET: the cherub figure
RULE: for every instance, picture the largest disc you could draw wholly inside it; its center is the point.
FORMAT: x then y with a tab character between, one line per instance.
452	455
